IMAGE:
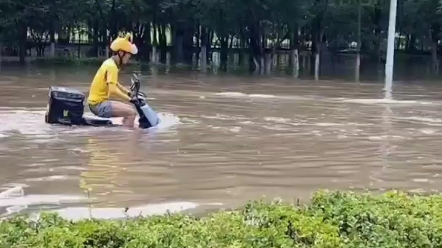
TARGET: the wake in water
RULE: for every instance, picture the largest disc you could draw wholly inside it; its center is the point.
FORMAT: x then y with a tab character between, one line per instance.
30	122
14	200
342	123
167	120
384	101
239	94
327	99
273	97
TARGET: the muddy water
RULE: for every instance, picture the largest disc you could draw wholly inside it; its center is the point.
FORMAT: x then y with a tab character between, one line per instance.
224	140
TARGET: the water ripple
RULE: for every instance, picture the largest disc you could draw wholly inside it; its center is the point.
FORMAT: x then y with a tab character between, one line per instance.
227	143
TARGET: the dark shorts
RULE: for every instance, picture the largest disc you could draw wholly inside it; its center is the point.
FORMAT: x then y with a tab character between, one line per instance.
103	109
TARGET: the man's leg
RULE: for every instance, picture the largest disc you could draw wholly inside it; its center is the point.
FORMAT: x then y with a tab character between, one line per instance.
108	109
124	110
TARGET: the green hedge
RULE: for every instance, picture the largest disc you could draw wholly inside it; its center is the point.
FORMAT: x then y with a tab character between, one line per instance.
331	219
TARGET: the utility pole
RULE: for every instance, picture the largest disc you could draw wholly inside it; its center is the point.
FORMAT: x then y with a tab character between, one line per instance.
358	55
390	50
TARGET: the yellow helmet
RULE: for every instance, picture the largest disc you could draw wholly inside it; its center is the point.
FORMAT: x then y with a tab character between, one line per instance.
124	44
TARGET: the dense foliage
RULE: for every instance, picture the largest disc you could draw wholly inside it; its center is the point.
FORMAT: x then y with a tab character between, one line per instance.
258	26
331	220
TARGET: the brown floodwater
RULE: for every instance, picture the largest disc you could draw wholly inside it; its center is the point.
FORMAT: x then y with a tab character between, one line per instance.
223	140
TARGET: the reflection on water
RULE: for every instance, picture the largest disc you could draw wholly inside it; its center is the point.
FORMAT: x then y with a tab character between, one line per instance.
224	140
101	172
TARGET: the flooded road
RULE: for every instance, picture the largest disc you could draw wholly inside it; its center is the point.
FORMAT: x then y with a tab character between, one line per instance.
226	140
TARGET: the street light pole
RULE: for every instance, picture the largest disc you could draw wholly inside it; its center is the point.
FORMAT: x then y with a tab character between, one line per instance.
358	55
390	50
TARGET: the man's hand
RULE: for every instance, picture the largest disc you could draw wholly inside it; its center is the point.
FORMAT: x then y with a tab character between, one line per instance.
134	100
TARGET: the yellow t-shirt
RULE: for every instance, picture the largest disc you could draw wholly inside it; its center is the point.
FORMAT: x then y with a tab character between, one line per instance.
107	74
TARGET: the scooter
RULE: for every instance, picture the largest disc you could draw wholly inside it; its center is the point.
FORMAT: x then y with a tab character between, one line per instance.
66	107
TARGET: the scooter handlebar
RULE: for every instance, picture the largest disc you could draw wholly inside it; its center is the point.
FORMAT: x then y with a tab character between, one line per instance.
135	86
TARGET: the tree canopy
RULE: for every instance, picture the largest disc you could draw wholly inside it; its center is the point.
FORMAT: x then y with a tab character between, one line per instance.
256	26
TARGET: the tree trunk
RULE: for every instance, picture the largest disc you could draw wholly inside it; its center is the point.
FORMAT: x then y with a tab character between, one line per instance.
52	36
155	39
178	44
22	42
203	52
295	52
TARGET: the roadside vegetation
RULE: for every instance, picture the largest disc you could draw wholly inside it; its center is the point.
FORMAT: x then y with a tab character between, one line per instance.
330	220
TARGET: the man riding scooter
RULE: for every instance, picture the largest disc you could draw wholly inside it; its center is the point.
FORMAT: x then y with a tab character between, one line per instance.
105	84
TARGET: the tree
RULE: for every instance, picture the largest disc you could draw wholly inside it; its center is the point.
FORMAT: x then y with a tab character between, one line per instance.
258	28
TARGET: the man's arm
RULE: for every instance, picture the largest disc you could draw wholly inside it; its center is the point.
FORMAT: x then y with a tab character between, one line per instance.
114	89
123	89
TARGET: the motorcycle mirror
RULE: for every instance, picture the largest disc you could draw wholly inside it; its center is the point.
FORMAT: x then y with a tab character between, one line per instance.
135	77
132	84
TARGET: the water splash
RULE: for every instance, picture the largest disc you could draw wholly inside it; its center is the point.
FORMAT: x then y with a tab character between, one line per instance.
30	122
14	200
81	213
